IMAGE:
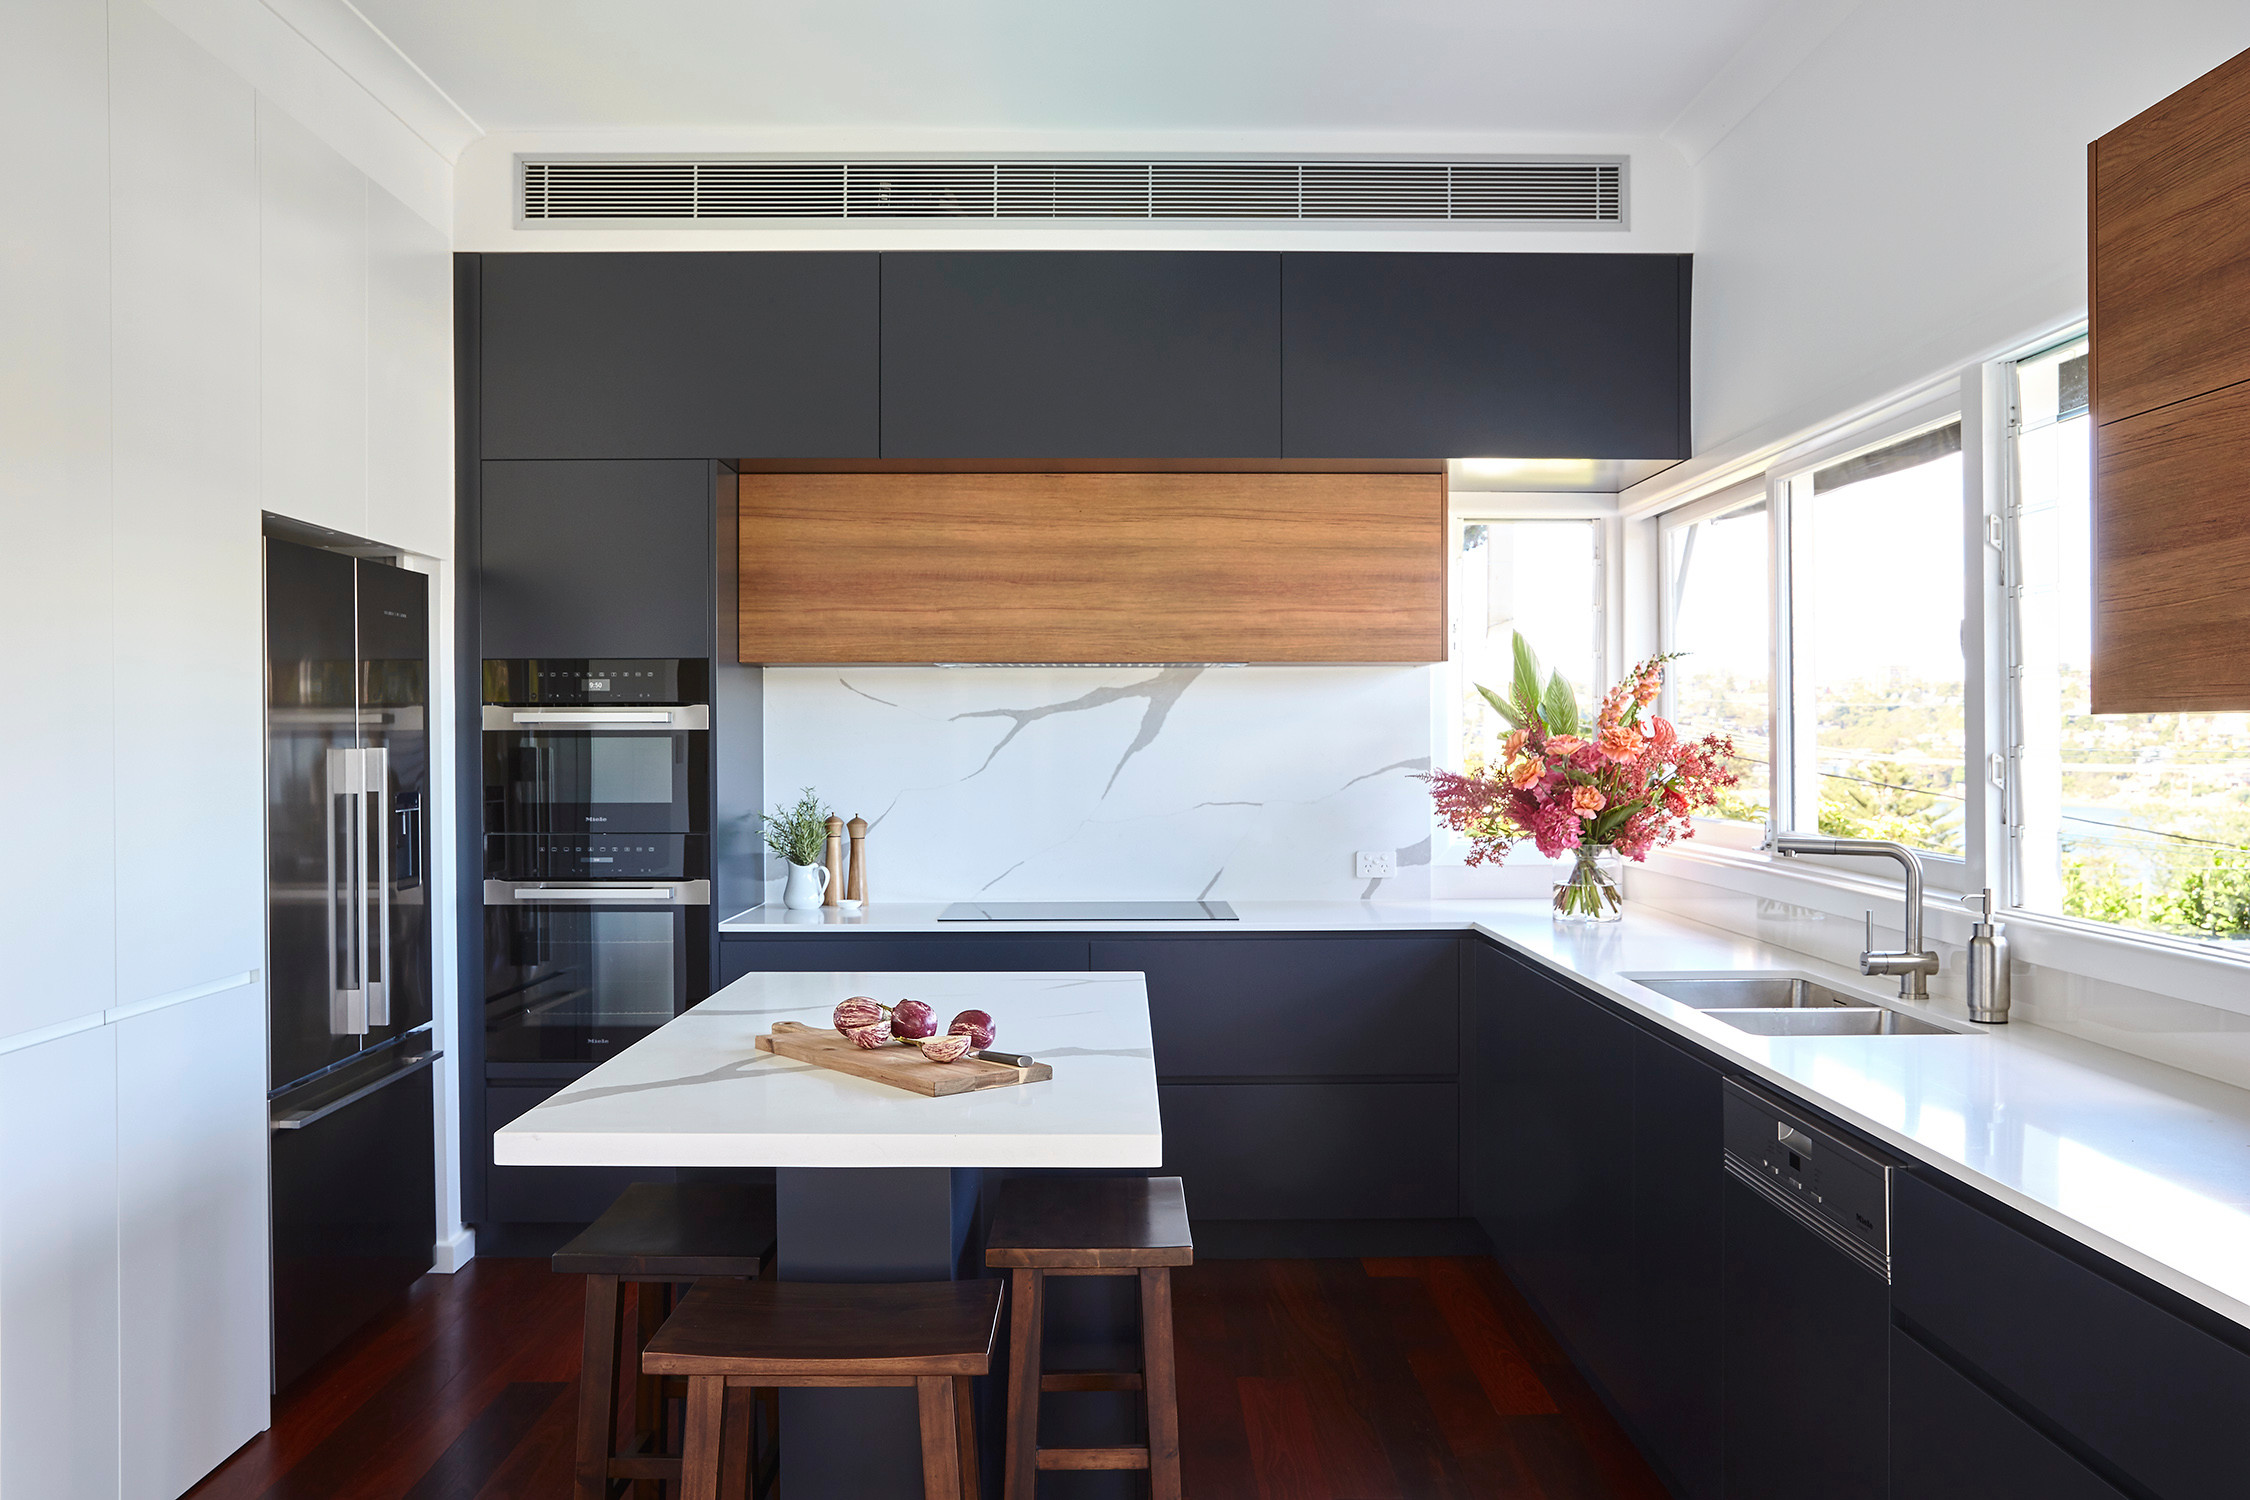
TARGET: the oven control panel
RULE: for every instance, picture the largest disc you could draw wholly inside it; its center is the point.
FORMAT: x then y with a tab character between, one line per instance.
583	681
595	856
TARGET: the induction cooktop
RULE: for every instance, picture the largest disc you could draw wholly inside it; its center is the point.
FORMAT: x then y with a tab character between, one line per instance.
1088	911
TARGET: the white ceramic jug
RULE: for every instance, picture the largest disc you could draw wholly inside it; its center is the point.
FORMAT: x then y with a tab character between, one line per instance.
807	885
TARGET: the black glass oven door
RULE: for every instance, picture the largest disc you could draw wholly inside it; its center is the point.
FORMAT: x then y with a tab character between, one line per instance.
541	779
579	974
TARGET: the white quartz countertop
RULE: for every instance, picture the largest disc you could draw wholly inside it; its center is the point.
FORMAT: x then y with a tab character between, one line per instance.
2142	1162
698	1093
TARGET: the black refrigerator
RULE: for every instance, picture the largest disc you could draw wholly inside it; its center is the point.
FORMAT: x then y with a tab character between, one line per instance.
349	1047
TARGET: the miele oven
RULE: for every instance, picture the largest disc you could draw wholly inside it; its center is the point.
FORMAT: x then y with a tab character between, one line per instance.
595	747
597	896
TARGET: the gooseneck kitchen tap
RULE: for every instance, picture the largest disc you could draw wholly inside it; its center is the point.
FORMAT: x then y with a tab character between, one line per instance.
1914	965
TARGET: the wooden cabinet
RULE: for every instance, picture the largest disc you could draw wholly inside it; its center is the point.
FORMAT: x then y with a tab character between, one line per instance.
2150	1392
597	559
2168	264
1092	567
1414	355
671	355
1076	354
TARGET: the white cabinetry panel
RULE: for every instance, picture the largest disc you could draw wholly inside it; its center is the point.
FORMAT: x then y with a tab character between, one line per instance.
56	926
58	1269
191	1179
409	403
185	342
313	327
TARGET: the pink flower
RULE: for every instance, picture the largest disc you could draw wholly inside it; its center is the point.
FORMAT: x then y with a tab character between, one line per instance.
1555	830
1661	732
1565	745
1621	742
1585	801
1676	803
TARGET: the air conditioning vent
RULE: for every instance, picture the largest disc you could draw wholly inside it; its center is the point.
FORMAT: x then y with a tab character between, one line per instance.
1532	192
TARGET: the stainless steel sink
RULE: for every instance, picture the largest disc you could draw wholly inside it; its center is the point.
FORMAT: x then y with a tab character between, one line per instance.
1868	1021
1745	991
1784	1004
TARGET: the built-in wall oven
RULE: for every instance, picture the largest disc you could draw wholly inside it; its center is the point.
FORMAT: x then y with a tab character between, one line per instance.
597	893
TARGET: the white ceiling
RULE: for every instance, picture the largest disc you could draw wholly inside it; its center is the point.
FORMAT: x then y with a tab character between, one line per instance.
1505	67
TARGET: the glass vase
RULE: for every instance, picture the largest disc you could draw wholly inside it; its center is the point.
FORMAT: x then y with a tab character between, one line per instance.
1592	889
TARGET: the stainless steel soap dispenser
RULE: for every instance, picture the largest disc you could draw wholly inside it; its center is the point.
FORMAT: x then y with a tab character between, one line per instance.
1987	965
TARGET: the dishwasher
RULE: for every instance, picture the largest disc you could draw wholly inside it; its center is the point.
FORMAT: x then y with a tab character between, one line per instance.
1806	1279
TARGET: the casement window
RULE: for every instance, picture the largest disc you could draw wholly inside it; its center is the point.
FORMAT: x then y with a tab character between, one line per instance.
1542	577
1717	613
2135	820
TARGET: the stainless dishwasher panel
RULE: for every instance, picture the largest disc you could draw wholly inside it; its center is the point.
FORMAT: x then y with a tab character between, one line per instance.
1839	1192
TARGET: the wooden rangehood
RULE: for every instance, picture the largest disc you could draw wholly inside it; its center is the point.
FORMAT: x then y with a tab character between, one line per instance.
1051	567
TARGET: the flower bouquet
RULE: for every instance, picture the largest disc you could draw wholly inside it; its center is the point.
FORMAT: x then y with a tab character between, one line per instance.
1604	792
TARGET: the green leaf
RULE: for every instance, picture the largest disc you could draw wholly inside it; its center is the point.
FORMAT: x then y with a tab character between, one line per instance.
1500	707
1559	708
1610	820
1526	694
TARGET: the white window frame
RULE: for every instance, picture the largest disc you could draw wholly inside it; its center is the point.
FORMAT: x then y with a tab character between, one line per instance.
1491	507
1725	832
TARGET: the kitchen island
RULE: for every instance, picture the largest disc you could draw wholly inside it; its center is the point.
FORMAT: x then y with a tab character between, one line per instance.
873	1183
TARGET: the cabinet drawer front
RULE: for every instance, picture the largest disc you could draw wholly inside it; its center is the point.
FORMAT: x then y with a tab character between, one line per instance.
2163	1401
940	955
1253	1007
1314	1150
1951	1441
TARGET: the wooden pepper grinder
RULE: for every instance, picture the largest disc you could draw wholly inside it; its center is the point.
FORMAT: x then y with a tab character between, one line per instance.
834	860
858	891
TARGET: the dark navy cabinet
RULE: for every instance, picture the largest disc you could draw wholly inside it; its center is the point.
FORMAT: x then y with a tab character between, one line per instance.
1952	1440
2156	1395
1081	354
680	355
942	954
601	559
1282	1149
1669	1386
1417	355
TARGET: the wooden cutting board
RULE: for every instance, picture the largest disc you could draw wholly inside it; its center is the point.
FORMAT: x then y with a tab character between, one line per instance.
900	1067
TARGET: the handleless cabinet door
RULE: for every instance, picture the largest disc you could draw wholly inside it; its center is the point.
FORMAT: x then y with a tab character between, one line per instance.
1410	355
669	355
1950	1440
598	559
1079	354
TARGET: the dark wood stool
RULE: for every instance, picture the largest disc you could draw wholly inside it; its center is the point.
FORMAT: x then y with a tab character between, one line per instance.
1091	1226
656	1234
932	1336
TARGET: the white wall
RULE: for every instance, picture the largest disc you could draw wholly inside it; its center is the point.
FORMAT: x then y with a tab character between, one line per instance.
1077	783
205	311
1911	198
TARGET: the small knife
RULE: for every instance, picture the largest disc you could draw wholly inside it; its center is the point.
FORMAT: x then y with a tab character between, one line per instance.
1006	1059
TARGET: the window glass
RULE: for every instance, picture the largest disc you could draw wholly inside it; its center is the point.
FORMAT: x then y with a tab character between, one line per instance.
1719	617
1539	577
1876	596
2142	820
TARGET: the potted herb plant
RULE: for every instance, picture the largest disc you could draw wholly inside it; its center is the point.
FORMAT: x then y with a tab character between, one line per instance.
799	834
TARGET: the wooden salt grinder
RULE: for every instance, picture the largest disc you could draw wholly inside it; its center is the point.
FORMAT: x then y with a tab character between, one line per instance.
858	891
834	860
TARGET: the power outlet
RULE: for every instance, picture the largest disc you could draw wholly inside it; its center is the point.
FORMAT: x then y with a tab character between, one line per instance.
1377	864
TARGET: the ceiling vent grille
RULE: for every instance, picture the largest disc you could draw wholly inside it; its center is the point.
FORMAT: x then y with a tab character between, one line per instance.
1532	192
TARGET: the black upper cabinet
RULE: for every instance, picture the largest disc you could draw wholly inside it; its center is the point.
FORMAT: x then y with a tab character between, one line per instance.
1418	355
673	355
597	559
1068	354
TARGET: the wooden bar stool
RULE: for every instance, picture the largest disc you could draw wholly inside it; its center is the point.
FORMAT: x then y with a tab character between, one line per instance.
932	1336
1091	1226
656	1234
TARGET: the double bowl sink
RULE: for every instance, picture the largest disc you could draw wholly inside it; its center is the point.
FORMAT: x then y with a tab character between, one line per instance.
1783	1004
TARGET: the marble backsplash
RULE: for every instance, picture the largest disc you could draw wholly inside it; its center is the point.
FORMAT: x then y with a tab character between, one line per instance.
1131	783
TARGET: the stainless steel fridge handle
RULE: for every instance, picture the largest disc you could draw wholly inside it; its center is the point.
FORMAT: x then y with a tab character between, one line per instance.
376	764
413	1065
347	950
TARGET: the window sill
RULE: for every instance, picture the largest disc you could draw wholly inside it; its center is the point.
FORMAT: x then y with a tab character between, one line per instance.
2137	960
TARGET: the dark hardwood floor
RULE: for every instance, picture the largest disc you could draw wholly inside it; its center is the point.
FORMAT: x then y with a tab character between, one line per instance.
1299	1380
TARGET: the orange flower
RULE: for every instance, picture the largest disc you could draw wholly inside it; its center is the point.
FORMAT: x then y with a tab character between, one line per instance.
1586	802
1565	744
1526	775
1514	744
1621	742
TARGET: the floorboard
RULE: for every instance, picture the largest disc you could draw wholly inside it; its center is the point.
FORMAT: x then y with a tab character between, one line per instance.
1404	1378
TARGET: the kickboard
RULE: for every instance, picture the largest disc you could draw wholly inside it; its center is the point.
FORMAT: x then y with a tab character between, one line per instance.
899	1066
